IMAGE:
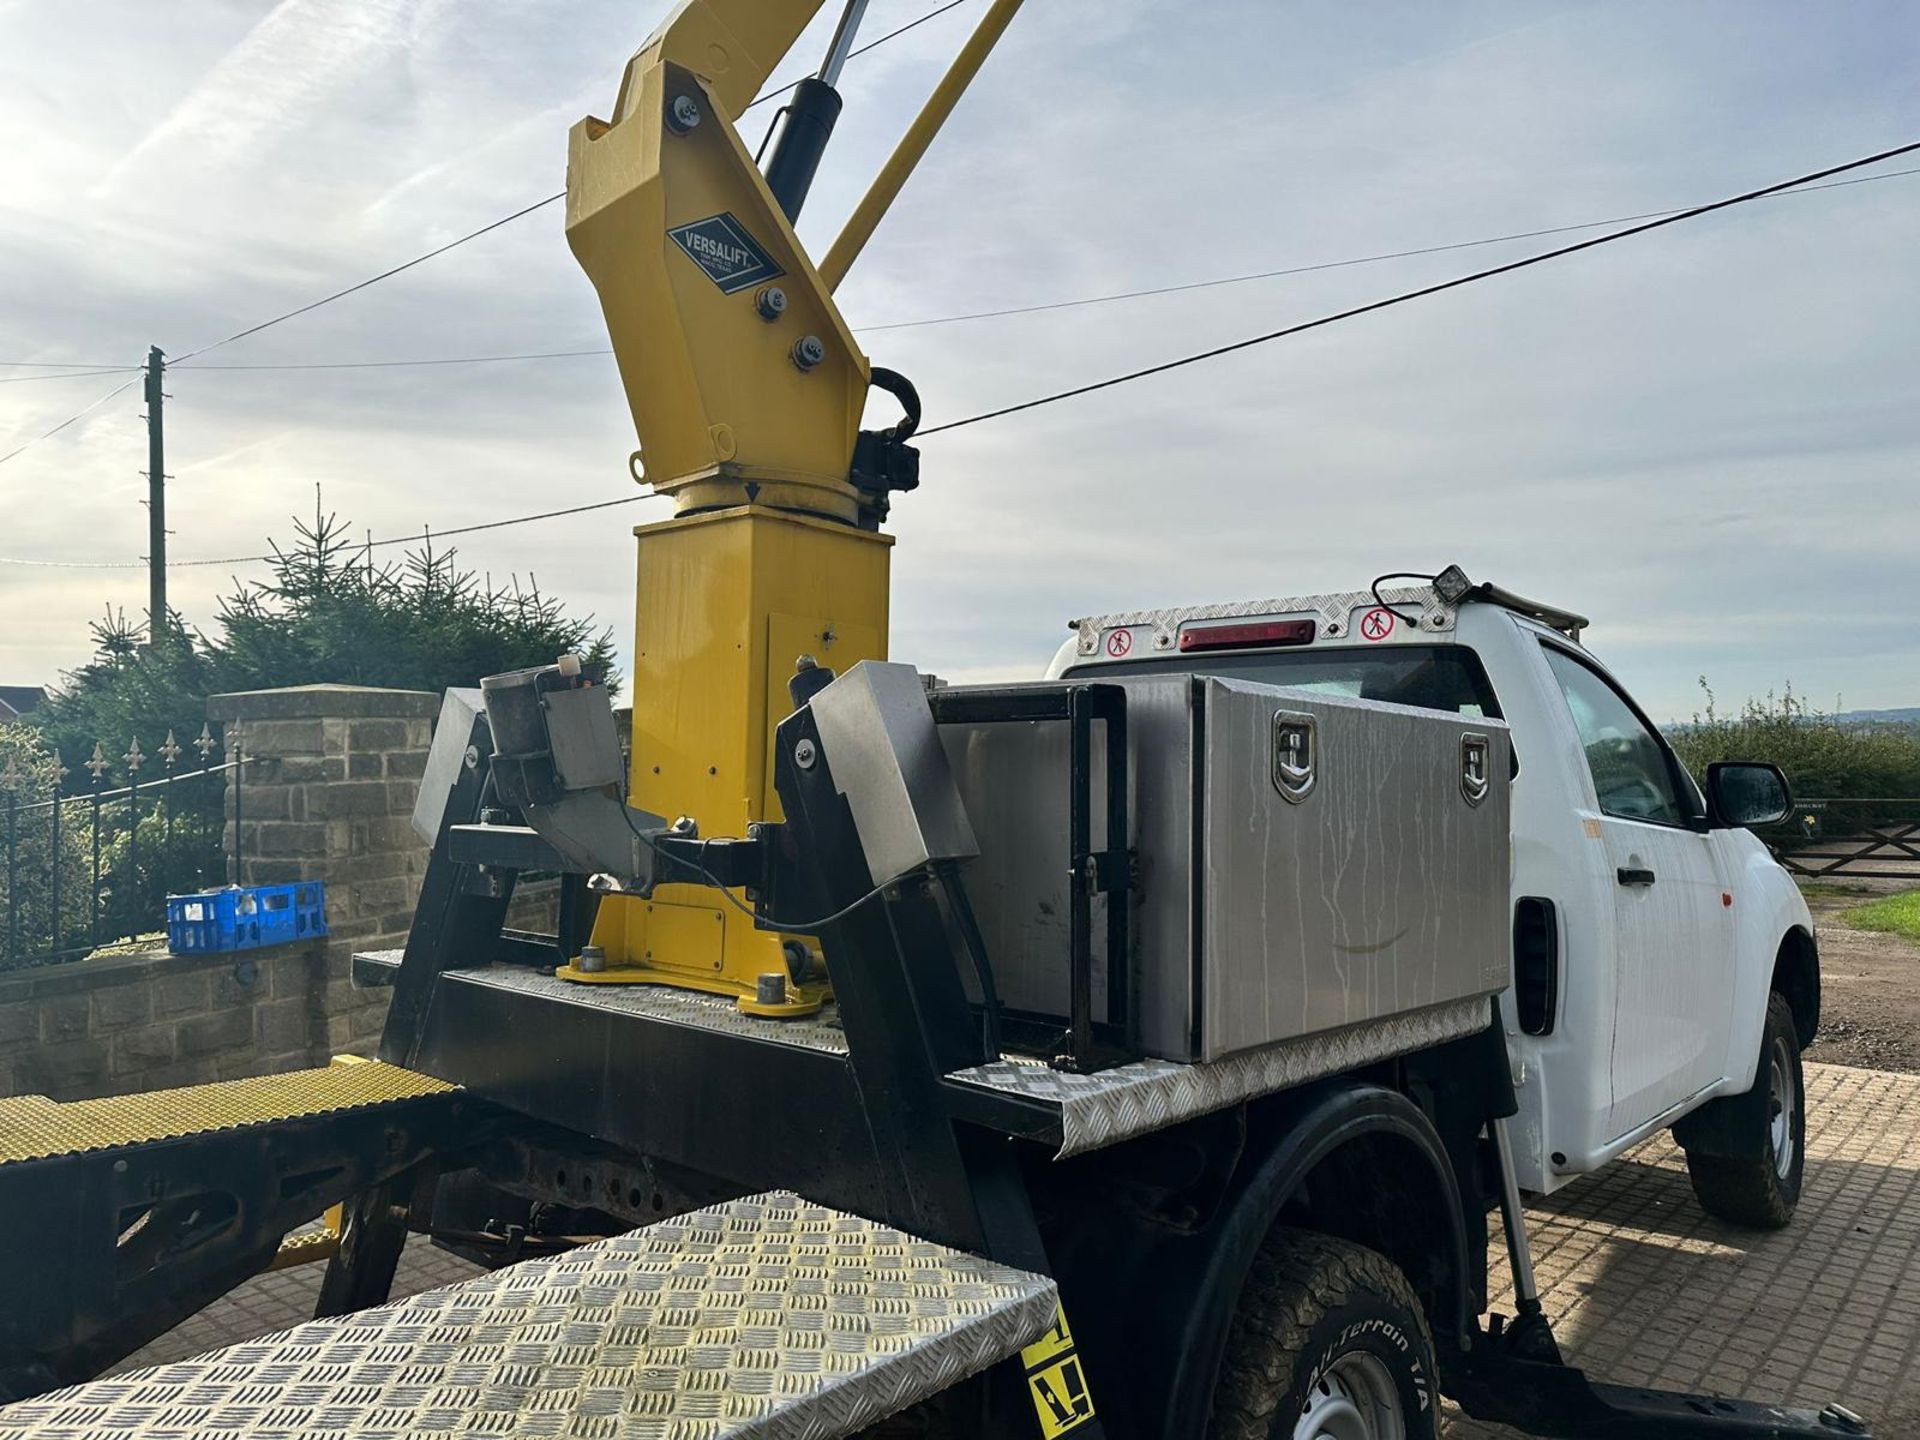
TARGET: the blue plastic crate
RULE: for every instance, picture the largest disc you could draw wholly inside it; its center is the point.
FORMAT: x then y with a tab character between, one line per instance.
245	917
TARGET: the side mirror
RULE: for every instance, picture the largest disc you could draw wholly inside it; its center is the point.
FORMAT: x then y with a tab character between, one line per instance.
1745	793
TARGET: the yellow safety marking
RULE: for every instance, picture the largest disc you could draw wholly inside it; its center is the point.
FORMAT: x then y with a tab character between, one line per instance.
1056	1381
306	1248
32	1127
1054	1343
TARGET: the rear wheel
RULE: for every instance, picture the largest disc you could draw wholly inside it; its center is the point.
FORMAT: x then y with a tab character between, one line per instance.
1329	1343
1762	1190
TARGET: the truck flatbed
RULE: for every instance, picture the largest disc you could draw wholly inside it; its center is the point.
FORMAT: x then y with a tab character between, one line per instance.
1016	1094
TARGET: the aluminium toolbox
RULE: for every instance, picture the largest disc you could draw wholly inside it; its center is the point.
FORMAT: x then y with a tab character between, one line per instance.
1308	865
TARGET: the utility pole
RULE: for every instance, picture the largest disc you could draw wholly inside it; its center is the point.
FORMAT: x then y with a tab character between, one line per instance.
156	500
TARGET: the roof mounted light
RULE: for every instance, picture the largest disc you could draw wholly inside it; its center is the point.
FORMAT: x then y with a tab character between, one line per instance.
1451	585
1247	635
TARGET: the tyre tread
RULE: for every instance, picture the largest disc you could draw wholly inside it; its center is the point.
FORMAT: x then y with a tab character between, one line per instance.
1748	1192
1296	1277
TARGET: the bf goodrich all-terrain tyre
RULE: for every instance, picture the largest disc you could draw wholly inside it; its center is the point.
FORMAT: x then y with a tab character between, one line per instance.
1329	1343
1762	1191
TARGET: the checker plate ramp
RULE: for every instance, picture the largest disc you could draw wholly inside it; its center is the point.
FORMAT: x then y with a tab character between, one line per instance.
768	1317
1109	1106
32	1127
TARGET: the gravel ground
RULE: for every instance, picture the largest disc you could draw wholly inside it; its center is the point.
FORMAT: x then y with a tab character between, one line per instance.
1870	991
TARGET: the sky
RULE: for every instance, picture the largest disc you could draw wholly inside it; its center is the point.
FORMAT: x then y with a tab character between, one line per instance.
1706	439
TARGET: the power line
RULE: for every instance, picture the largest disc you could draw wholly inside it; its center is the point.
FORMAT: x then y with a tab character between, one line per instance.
68	375
103	368
386	364
372	280
1336	264
424	534
81	413
933	14
506	219
1669	218
1424	290
61	365
1084	300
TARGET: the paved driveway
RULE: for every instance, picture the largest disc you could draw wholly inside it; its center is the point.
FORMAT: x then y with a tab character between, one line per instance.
1643	1286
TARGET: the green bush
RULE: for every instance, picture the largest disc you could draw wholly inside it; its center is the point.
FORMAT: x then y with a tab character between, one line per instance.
27	929
1820	756
328	615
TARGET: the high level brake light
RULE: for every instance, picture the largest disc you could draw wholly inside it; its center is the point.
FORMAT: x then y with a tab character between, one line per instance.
1247	635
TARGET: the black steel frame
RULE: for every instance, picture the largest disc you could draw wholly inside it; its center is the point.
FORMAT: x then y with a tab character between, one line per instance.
107	1249
1090	1043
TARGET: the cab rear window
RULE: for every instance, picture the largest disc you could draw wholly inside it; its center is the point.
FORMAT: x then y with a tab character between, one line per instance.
1448	678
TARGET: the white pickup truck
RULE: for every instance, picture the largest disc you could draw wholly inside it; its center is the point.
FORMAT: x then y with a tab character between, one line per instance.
1665	971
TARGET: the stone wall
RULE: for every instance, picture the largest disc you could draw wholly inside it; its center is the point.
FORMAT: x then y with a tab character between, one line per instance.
330	777
331	772
149	1020
327	794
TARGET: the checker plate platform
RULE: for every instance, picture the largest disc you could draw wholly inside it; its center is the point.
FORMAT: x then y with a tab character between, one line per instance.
767	1317
32	1127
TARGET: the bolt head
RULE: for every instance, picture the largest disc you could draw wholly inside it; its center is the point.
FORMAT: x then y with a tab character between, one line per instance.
808	351
804	754
771	302
683	113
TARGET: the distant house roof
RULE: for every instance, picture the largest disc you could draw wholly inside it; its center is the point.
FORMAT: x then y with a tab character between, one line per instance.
17	700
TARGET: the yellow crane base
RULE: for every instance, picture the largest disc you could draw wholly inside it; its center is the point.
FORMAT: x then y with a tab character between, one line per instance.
801	1000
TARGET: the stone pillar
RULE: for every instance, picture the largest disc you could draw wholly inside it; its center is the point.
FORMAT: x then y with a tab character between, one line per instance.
330	779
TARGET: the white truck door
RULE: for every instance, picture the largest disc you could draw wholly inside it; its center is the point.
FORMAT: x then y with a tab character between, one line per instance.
1673	939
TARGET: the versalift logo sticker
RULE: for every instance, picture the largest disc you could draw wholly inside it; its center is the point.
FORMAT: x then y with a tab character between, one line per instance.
721	246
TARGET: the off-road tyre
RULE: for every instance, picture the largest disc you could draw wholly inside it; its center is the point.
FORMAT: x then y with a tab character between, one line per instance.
1761	1192
1309	1301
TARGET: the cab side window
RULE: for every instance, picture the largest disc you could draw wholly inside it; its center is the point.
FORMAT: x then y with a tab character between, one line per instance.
1629	765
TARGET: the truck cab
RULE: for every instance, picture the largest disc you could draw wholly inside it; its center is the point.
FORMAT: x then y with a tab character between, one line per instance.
1662	960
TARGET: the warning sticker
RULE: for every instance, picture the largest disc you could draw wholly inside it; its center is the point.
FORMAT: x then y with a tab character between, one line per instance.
1377	623
1119	643
1060	1397
1056	1342
1061	1400
721	246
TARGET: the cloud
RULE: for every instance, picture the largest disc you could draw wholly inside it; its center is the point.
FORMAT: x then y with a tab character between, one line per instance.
297	64
1705	438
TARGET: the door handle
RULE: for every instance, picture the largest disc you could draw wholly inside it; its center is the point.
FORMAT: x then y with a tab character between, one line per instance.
1630	875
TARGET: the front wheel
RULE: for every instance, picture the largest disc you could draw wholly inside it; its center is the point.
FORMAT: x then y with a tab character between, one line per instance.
1762	1190
1329	1343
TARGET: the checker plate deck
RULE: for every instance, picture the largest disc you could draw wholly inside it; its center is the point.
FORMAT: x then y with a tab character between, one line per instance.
820	1032
32	1127
767	1317
1109	1106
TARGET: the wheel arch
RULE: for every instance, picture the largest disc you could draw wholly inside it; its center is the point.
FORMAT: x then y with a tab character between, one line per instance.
1306	1155
1796	977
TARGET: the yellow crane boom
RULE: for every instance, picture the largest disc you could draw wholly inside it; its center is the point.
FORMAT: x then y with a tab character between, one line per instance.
747	390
